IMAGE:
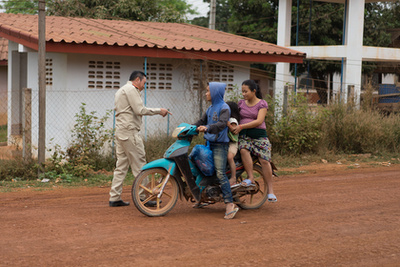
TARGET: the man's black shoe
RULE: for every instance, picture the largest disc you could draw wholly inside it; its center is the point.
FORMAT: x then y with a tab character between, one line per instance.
151	203
118	203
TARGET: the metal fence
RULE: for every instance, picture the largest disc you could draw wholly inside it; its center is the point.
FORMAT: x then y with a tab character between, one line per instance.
19	114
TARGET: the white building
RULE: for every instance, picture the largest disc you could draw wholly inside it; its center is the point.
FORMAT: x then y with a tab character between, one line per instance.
87	60
353	52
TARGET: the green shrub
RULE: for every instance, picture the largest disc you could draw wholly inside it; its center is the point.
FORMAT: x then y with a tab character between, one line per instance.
18	169
85	153
3	133
89	136
337	128
299	130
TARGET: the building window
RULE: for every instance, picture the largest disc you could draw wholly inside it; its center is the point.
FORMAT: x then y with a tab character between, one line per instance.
104	75
159	76
49	72
221	73
215	73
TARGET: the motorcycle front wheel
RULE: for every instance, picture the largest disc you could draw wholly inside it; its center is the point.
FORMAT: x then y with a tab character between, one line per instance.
146	188
253	198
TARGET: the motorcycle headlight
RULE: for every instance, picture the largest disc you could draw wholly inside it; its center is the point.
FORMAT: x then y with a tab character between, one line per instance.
177	131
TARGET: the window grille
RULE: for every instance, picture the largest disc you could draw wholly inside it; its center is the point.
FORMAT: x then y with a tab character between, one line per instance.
216	73
159	76
49	72
104	75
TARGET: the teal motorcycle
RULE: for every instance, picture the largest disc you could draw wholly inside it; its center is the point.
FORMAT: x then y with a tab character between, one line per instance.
162	181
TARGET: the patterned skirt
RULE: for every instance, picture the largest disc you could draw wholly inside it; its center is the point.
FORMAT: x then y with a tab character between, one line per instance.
260	147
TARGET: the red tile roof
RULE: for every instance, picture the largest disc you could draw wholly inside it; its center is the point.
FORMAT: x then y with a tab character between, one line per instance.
138	38
3	51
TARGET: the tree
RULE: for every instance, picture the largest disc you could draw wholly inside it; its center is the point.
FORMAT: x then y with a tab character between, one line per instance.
142	10
255	19
17	6
223	13
379	17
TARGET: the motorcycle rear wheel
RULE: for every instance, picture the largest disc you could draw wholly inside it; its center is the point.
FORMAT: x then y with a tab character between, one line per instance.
253	199
146	188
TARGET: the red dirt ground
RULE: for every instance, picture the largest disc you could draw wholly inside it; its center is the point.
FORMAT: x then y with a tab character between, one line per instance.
332	217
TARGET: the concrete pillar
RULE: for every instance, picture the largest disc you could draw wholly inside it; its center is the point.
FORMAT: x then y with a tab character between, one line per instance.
18	74
282	76
354	42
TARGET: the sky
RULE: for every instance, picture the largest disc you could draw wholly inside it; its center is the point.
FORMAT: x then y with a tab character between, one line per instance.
201	7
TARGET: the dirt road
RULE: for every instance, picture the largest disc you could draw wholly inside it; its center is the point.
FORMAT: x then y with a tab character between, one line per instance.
329	218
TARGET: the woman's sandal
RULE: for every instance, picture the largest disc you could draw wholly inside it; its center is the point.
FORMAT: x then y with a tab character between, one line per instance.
272	198
247	182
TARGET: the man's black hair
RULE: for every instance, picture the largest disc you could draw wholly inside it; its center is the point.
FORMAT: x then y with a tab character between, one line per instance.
234	110
136	74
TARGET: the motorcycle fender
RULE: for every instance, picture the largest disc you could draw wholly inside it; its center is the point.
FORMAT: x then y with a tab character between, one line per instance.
161	163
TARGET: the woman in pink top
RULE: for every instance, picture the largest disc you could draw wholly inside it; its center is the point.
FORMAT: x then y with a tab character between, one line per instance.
252	132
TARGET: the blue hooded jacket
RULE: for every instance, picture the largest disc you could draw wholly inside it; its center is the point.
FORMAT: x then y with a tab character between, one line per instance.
217	91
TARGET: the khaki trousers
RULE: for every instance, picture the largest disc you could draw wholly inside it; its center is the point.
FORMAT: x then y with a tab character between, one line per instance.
130	152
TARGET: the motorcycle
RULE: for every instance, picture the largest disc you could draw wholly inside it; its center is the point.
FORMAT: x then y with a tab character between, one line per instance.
175	175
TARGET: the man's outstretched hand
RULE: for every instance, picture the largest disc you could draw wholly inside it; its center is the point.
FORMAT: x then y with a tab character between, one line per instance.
164	112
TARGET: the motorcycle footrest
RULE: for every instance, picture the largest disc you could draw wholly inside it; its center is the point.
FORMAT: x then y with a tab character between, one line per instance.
200	205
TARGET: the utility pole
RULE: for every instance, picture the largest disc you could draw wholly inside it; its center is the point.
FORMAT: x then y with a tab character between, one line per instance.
42	85
213	8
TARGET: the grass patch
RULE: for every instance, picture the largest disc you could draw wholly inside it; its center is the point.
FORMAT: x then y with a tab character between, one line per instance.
292	161
100	180
282	173
3	133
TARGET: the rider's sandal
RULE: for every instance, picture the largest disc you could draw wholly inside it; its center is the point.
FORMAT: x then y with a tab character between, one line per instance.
231	215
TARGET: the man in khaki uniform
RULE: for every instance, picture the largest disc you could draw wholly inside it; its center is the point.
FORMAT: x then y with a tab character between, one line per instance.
129	110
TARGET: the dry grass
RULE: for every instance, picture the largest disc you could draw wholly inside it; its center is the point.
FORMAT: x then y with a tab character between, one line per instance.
3	109
3	118
349	130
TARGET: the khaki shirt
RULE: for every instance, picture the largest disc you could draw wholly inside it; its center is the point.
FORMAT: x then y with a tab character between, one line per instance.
129	110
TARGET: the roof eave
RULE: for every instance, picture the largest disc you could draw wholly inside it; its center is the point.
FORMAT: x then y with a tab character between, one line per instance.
85	48
146	51
25	40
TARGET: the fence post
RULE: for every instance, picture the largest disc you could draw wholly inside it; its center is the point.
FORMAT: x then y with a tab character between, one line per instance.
113	136
42	85
27	125
168	124
200	91
350	93
285	100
